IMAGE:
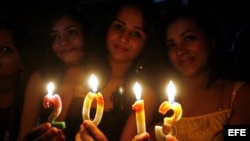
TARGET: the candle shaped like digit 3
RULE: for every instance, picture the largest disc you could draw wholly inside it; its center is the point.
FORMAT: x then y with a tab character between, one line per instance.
164	108
53	100
138	107
89	99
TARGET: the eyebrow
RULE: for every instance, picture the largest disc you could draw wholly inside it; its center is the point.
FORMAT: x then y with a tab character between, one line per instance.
189	30
7	43
137	27
68	27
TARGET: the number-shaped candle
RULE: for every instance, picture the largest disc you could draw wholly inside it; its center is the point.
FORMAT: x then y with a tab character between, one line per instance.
53	100
164	108
89	99
138	107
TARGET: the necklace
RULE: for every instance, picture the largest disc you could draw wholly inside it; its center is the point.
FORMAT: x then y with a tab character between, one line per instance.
7	119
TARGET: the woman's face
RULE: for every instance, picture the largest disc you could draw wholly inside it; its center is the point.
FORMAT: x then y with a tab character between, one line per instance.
126	37
67	41
189	47
10	60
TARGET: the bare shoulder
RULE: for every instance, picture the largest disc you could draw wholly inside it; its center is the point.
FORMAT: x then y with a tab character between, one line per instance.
243	96
241	110
35	75
36	84
74	75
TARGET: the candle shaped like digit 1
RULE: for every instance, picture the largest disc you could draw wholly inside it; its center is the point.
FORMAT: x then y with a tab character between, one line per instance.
89	99
164	108
138	107
53	100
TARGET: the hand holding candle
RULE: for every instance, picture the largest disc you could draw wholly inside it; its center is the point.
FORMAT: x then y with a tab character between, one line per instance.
164	108
53	100
89	99
138	107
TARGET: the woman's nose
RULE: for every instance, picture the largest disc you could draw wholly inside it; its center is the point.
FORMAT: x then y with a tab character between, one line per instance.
124	37
181	49
64	41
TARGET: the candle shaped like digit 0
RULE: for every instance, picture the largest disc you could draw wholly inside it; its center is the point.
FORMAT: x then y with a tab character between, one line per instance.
53	100
89	99
164	108
138	107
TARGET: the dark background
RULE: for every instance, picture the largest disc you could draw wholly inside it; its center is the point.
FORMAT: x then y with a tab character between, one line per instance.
232	16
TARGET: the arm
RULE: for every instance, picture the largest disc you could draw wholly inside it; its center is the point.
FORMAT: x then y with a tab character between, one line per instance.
150	105
34	88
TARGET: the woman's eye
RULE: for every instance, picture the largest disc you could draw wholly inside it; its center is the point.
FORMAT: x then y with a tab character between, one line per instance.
169	45
117	27
6	49
73	32
190	38
136	34
54	37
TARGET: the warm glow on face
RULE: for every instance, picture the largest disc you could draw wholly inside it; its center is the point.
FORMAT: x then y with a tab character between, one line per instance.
50	88
171	91
93	82
137	91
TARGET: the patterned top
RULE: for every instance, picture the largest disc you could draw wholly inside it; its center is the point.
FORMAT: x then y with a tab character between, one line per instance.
208	127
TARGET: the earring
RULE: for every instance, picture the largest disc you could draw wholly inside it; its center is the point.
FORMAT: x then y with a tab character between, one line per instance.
139	66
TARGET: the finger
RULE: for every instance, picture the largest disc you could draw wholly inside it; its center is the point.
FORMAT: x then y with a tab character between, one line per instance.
48	135
78	136
141	137
171	138
37	131
84	136
93	131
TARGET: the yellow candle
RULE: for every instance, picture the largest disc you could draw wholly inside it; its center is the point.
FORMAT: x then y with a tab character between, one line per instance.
89	99
53	100
138	107
164	108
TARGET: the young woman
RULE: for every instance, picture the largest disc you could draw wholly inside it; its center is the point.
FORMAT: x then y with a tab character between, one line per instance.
127	44
63	64
209	99
16	64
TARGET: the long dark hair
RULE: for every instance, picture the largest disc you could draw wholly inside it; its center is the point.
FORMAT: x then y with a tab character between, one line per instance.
142	65
52	68
204	20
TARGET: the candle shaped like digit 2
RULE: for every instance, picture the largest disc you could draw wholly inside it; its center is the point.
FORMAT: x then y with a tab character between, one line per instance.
53	100
89	99
138	107
164	108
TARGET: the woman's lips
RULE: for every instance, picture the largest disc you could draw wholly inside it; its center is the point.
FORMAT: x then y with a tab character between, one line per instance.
121	48
186	62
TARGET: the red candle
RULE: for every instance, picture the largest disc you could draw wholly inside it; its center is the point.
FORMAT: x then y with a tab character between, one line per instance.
53	100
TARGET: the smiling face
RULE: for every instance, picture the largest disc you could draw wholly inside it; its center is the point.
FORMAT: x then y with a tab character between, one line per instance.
10	60
189	47
67	41
126	37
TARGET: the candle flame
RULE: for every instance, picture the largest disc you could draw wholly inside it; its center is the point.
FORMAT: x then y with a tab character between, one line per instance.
50	88
137	90
171	91
93	82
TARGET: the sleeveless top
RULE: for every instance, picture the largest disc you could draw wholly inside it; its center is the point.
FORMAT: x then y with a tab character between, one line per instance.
208	127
